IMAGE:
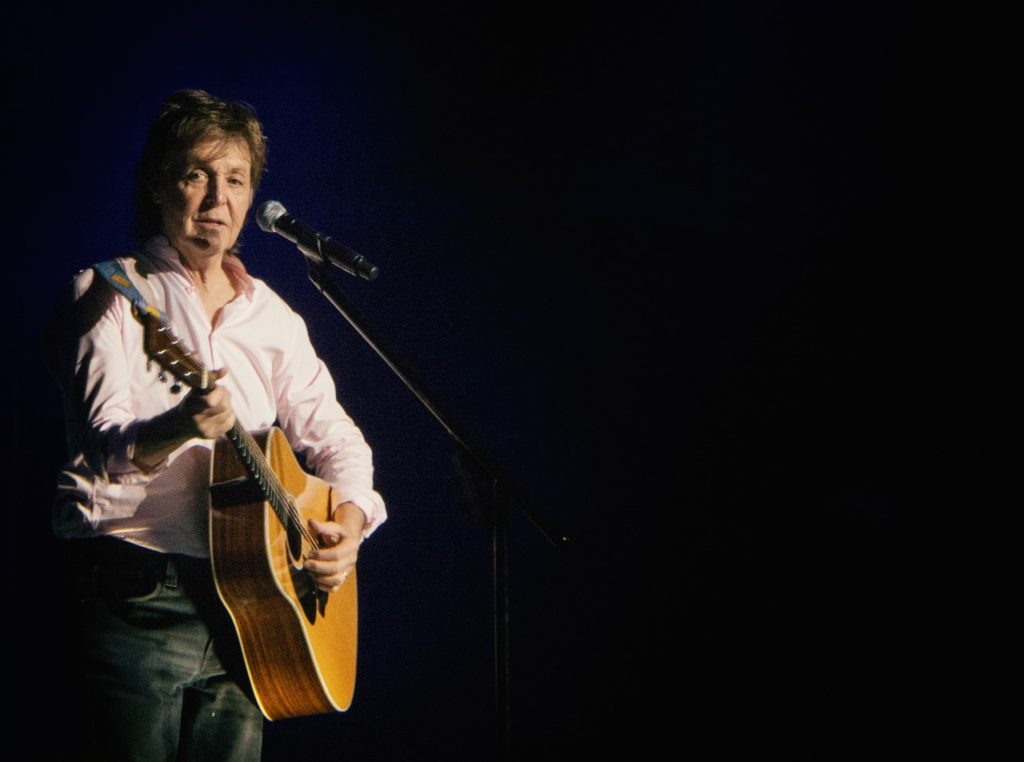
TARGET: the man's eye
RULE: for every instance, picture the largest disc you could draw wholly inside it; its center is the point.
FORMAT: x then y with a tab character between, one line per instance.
236	181
195	176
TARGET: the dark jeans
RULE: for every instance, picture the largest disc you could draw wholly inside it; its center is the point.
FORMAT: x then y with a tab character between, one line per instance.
159	668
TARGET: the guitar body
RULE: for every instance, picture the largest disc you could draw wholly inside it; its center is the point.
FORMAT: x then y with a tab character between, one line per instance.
299	643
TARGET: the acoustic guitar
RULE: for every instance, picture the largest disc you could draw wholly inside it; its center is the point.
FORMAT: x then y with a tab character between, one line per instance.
299	642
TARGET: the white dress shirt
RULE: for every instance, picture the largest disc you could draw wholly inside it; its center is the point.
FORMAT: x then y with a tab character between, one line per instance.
274	376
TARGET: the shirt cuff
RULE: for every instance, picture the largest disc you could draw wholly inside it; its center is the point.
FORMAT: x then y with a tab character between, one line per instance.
370	503
120	463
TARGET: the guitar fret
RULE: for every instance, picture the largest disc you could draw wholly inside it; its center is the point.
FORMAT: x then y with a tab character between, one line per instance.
256	468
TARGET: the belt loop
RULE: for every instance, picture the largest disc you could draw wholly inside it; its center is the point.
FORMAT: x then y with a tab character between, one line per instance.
171	575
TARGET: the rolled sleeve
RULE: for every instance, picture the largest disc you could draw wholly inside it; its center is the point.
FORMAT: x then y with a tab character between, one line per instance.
317	426
104	427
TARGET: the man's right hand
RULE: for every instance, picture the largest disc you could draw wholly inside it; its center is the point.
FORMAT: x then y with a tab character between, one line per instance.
206	415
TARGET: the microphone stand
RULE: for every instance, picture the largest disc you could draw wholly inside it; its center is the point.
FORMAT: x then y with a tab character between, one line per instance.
501	491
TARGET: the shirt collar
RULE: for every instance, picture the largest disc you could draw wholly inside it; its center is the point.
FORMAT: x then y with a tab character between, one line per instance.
160	249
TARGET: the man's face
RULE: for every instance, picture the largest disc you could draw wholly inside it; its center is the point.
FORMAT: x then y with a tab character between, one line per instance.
204	205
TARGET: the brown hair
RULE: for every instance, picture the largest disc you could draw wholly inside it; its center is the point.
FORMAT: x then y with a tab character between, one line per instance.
186	119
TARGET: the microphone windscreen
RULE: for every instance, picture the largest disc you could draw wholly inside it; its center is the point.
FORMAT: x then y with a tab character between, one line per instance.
268	214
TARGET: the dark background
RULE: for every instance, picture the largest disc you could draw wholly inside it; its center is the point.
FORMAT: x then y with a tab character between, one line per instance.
724	287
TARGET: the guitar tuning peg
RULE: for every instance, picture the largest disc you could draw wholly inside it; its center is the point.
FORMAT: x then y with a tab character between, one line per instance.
162	376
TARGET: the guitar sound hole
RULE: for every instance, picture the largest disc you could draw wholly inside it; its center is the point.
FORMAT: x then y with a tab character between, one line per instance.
294	545
307	596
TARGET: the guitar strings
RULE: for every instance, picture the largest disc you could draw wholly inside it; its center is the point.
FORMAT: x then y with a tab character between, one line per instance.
269	483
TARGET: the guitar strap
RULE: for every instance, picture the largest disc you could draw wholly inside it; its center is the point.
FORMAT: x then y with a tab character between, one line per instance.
123	276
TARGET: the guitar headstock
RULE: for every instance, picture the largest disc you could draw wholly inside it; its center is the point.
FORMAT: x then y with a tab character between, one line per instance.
165	349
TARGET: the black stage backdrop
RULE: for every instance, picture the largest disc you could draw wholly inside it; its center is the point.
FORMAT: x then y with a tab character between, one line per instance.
720	284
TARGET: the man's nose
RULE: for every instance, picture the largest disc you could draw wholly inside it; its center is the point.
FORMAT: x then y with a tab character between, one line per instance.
215	188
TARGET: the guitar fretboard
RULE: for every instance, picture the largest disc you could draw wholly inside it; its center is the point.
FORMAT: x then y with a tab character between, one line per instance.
260	472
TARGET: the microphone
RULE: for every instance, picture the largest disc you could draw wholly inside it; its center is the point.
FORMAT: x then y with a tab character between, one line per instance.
272	217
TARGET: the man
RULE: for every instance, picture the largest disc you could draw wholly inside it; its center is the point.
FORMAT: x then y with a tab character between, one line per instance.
158	660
